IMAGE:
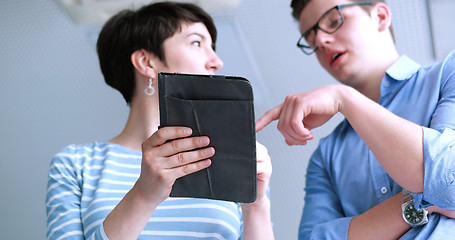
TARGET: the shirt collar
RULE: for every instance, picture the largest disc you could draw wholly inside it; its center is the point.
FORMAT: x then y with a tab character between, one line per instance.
403	68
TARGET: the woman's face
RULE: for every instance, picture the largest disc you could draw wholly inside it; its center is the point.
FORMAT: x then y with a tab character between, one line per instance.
190	51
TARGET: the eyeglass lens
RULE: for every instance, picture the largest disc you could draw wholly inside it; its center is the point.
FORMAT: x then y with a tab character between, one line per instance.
329	23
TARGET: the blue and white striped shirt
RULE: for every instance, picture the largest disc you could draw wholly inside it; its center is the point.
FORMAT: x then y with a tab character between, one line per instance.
87	181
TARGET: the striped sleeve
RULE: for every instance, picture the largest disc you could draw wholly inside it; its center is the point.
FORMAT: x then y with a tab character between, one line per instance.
63	199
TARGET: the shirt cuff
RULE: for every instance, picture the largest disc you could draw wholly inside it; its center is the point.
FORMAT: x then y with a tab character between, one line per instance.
335	229
439	178
101	234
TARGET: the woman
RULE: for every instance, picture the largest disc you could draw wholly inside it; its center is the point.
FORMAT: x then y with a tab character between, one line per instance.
120	189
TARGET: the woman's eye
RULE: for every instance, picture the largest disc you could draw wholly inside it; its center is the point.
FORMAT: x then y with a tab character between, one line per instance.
196	43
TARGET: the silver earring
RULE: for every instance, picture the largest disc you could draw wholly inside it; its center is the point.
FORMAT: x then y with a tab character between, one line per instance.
149	90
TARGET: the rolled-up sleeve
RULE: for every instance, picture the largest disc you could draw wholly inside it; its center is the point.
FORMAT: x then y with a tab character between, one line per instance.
439	178
438	143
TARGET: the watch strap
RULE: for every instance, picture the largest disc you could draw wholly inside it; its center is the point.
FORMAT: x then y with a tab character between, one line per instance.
406	196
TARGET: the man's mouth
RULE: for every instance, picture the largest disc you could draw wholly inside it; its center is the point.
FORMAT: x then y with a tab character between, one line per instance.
335	56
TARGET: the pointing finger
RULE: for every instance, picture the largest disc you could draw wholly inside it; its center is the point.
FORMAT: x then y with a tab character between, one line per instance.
268	117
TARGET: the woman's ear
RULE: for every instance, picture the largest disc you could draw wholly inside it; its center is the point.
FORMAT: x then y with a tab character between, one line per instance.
384	16
143	63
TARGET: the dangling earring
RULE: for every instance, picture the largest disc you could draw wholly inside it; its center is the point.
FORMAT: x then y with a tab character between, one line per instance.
149	90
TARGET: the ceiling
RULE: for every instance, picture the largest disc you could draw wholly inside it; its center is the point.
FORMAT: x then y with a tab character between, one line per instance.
98	11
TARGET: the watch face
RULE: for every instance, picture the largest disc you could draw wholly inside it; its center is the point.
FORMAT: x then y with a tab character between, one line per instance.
412	215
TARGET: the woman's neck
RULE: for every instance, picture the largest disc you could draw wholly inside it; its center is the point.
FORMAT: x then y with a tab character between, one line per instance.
143	121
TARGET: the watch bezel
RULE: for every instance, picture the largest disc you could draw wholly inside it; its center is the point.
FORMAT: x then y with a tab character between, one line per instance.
408	207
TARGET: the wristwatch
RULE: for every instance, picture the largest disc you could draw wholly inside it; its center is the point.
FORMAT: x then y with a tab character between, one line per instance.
411	215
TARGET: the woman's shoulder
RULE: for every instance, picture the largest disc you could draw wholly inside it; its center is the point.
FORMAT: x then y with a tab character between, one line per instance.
95	154
85	148
83	153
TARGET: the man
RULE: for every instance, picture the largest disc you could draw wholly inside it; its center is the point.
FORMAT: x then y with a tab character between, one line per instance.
394	148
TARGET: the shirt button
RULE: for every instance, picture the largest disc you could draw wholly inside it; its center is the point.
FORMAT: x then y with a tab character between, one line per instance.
383	190
386	84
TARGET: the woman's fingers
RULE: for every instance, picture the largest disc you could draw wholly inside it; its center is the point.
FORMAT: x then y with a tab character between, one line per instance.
264	164
161	136
173	140
190	168
182	145
184	158
170	151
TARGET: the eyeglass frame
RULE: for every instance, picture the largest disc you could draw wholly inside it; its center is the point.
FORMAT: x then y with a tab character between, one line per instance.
315	28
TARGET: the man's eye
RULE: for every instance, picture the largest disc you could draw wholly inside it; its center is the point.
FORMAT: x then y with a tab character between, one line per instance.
196	43
334	23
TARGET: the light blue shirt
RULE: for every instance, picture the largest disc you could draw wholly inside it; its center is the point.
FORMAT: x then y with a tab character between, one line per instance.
344	179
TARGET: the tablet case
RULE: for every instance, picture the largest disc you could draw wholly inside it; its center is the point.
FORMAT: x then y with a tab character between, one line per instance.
220	107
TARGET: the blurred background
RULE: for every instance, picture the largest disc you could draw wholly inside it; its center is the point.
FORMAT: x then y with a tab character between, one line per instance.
52	92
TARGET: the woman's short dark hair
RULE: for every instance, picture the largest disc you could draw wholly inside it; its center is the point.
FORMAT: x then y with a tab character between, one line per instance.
145	28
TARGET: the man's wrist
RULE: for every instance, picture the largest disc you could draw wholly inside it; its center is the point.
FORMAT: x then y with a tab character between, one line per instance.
411	215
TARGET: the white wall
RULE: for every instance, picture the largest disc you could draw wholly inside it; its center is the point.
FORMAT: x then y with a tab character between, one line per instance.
52	94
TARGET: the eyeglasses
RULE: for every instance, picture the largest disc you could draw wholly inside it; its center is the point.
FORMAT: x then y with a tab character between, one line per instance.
329	23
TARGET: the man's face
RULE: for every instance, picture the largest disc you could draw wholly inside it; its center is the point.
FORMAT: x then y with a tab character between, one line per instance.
343	52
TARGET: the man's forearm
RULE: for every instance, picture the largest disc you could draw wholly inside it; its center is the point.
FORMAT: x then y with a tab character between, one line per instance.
384	221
